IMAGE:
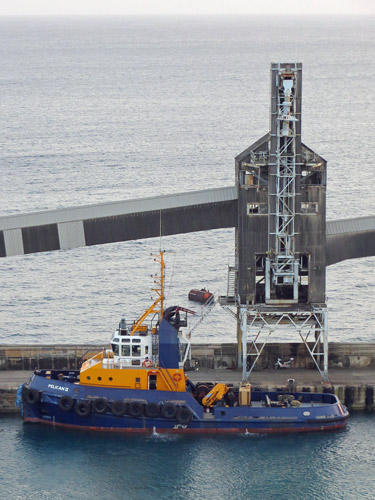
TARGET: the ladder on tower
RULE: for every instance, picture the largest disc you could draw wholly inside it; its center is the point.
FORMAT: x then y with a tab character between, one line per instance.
231	297
232	283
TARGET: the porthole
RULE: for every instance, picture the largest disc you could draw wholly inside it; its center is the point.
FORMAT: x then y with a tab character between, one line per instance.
99	378
88	378
110	379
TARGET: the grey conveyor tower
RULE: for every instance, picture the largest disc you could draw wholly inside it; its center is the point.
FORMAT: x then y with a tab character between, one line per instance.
281	233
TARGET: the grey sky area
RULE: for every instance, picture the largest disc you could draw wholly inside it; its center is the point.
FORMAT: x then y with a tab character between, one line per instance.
181	7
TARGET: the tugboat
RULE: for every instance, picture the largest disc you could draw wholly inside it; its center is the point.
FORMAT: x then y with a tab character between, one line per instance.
139	385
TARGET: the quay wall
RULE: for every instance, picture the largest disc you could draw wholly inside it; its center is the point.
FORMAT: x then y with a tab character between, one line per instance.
351	368
214	356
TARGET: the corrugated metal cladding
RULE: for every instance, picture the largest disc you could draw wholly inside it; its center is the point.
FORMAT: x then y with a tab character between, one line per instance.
356	225
2	245
217	210
13	242
71	235
40	238
173	221
119	208
350	246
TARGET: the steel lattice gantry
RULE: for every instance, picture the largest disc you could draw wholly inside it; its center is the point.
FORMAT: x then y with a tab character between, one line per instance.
280	238
285	153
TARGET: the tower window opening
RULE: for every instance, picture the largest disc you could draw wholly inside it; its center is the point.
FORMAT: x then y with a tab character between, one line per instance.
257	208
304	262
312	178
309	207
252	208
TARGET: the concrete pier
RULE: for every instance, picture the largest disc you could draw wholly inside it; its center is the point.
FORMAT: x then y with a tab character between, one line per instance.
351	368
213	356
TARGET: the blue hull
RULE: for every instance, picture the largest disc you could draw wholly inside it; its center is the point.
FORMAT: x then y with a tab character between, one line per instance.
318	411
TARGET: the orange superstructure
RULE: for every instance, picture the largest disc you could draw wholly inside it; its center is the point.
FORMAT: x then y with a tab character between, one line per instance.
93	373
142	356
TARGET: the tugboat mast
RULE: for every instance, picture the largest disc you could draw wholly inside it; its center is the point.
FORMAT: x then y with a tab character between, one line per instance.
159	290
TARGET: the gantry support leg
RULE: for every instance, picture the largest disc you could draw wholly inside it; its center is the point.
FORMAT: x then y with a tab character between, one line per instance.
325	346
243	327
256	328
239	338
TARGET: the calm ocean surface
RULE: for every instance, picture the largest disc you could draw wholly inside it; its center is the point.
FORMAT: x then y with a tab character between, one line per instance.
41	463
102	109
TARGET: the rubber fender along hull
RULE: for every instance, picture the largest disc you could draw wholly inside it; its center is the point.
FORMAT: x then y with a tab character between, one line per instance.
52	414
145	411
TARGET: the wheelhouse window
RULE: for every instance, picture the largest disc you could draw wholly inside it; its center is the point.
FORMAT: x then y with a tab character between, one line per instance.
125	350
115	349
136	350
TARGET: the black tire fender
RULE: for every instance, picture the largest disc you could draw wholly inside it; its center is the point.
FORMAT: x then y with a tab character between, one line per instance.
100	405
169	410
152	410
32	396
118	408
83	408
184	416
66	403
135	409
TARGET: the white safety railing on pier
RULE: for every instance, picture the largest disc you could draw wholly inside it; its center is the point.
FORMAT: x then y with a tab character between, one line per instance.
205	309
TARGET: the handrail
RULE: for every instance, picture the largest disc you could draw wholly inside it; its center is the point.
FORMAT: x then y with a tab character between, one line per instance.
206	309
162	369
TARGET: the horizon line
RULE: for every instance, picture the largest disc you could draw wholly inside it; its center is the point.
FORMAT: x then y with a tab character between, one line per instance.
191	14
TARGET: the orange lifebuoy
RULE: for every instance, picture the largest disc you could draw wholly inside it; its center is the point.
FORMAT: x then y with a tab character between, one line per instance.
147	363
177	377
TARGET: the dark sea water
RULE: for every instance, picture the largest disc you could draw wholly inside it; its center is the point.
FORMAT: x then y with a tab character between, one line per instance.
55	464
103	109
